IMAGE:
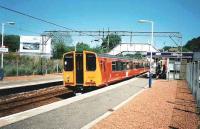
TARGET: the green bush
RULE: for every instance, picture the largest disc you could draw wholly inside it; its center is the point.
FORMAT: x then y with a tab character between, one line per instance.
29	65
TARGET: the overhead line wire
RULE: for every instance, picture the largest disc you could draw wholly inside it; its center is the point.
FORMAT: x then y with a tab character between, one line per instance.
39	19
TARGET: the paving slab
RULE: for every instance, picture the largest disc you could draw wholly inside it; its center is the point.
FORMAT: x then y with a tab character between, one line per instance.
79	113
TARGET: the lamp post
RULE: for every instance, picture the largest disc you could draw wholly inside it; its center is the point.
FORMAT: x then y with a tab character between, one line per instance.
2	38
152	24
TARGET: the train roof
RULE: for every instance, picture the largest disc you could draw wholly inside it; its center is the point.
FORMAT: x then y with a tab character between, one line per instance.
117	57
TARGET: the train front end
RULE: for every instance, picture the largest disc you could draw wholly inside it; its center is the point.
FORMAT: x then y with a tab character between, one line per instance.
81	70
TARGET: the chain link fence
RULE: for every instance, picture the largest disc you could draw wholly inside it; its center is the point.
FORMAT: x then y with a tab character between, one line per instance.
193	79
16	65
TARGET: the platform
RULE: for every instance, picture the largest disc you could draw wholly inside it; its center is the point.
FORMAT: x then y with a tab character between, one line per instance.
167	105
75	112
21	81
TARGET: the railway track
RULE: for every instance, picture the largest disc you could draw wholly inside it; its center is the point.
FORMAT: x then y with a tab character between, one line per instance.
32	98
18	102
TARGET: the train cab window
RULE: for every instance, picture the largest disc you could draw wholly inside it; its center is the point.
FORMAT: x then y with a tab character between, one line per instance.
68	62
90	62
114	66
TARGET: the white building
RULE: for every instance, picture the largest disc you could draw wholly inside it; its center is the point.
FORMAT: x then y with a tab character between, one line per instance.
132	48
35	45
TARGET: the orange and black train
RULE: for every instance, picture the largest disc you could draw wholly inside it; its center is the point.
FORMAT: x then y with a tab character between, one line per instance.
88	69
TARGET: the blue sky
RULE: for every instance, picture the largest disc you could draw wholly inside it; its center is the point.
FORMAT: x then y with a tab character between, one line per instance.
168	15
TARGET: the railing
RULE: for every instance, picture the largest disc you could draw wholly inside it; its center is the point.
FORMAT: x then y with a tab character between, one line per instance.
193	79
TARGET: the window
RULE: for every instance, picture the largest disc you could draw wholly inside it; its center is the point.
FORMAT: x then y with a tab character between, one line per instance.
69	62
114	67
137	65
90	62
133	65
130	65
125	65
119	66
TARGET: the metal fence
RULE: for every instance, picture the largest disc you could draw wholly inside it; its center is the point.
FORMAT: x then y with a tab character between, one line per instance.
16	65
193	79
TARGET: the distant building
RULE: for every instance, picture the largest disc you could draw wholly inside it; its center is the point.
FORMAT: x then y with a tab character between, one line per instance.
35	45
196	56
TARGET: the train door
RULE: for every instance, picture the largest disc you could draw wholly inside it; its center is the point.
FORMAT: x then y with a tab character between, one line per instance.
79	68
69	75
104	71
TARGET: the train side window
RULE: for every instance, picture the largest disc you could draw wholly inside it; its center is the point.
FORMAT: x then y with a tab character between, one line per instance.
124	65
121	65
68	62
140	65
118	66
125	68
136	65
133	65
114	66
90	62
128	65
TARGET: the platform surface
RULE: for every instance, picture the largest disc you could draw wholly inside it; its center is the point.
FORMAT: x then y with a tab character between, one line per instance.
11	82
167	105
79	113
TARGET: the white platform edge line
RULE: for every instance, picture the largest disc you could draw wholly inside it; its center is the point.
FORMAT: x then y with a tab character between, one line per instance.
33	112
94	122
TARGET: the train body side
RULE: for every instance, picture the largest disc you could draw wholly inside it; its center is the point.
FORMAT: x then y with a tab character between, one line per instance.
87	69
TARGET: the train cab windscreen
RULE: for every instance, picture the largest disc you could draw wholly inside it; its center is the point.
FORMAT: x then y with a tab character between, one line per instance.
68	62
90	62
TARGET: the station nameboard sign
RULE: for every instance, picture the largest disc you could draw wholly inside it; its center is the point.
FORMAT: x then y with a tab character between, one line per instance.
3	49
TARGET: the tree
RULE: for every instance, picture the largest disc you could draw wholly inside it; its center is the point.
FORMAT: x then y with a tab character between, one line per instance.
114	40
166	48
193	45
61	44
97	49
175	49
82	46
12	42
58	50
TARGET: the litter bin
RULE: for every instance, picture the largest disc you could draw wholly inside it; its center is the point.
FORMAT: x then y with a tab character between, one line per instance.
1	74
